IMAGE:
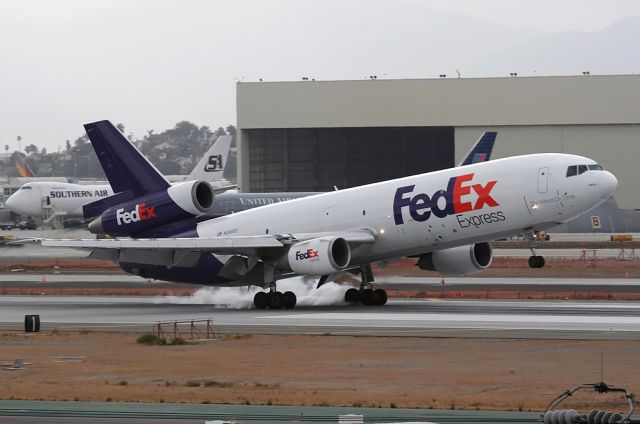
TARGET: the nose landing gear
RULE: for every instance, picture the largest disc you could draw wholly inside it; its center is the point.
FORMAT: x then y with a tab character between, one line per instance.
535	261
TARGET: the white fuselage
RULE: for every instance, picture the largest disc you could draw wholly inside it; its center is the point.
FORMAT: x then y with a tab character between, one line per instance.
474	203
64	199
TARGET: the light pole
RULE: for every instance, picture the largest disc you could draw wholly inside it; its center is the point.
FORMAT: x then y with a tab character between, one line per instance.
19	145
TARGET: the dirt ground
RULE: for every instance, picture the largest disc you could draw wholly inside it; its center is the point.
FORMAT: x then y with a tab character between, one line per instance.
315	370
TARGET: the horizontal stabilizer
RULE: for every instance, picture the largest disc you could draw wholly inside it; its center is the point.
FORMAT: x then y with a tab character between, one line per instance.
94	209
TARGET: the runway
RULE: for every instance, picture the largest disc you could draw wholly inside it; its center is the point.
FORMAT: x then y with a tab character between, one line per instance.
89	280
416	318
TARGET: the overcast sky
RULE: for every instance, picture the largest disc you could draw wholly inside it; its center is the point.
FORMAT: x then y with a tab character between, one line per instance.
151	63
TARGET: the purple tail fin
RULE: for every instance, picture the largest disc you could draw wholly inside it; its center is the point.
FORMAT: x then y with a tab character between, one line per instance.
130	174
124	165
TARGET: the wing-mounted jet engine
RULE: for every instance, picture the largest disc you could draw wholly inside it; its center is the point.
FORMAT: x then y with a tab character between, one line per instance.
458	261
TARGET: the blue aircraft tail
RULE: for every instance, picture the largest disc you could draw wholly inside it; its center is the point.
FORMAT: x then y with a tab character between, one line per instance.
129	173
481	151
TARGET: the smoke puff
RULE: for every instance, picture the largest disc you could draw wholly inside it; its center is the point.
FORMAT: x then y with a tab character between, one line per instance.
242	297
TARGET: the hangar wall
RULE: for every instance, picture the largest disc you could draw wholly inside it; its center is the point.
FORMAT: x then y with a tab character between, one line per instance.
319	159
596	116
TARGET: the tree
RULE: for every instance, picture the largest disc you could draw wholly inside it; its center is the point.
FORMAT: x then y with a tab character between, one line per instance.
231	130
68	146
43	151
31	149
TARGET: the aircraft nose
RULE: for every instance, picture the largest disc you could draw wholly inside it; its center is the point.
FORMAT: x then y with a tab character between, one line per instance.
21	204
608	184
10	203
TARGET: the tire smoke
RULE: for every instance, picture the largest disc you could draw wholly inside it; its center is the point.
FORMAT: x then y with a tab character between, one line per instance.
242	297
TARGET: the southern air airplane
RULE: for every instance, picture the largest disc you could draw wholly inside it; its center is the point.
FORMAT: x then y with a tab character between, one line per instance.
446	219
67	199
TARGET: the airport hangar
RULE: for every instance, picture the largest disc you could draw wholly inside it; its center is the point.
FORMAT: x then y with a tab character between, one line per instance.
314	135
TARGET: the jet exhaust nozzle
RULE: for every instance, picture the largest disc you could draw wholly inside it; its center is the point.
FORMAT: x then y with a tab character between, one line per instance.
95	226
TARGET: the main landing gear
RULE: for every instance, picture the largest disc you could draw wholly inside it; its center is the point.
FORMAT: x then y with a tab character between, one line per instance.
366	294
274	299
535	261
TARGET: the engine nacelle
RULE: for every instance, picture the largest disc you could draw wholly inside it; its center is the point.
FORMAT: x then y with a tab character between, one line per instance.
458	261
179	202
319	256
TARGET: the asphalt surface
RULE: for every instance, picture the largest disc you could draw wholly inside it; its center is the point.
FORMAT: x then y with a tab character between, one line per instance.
140	413
118	280
417	318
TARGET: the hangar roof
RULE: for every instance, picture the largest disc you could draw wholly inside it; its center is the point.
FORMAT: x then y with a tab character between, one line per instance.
556	100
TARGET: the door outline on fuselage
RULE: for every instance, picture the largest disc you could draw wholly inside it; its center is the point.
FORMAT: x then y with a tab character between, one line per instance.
543	180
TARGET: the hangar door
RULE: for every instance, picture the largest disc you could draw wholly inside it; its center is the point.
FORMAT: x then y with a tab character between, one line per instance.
317	159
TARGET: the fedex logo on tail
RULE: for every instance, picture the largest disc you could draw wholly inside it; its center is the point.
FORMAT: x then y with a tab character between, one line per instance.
459	197
140	213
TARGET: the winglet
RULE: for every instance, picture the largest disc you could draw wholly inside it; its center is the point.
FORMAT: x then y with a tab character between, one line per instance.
481	151
126	168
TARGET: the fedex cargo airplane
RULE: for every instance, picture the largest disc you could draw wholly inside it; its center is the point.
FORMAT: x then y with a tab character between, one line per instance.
446	219
67	199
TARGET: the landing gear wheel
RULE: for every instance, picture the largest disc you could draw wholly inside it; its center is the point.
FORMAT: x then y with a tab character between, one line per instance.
380	297
352	296
276	300
289	300
367	297
260	300
536	261
541	261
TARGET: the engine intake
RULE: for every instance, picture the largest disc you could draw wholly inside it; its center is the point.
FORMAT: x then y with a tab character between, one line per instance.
458	261
319	256
195	197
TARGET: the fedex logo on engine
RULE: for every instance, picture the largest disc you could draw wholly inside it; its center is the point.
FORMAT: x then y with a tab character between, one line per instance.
140	213
308	254
457	198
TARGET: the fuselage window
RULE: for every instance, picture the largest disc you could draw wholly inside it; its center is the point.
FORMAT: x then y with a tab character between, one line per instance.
572	170
582	169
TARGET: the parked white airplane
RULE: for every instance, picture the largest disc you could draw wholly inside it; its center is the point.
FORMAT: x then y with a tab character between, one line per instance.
445	218
68	199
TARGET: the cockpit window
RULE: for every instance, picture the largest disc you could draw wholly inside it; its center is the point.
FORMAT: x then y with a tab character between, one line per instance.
581	169
26	188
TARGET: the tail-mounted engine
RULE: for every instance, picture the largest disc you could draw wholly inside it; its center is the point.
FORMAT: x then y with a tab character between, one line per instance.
319	256
179	202
458	261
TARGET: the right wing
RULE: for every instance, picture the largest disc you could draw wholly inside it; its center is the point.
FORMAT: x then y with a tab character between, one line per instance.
185	252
